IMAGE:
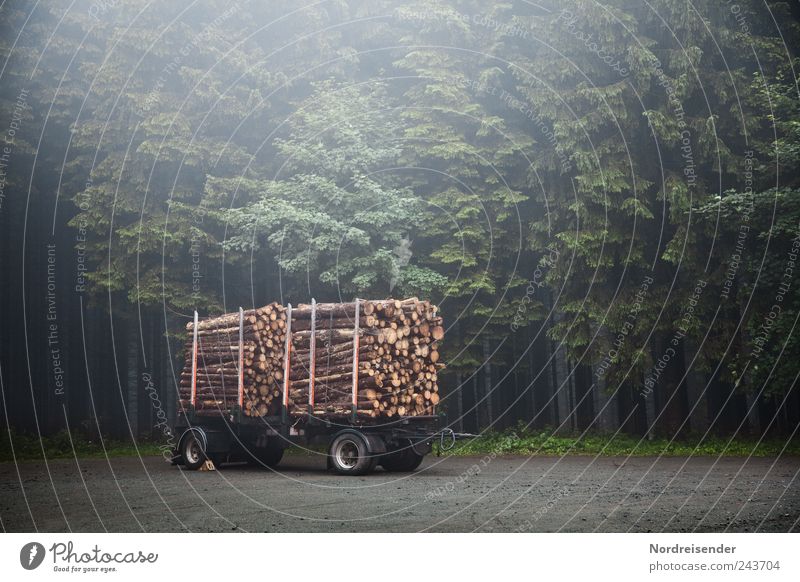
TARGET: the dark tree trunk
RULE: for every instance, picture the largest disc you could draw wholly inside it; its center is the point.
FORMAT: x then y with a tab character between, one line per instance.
476	400
132	377
459	402
488	392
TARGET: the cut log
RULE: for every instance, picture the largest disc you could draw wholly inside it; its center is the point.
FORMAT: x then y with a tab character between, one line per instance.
397	359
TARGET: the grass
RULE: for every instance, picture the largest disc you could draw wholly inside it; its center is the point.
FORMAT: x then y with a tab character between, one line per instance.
520	442
512	442
58	446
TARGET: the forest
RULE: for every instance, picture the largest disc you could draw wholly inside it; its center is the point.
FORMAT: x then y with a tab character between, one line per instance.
601	196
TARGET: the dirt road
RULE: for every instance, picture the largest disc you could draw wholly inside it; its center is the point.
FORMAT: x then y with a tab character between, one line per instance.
446	494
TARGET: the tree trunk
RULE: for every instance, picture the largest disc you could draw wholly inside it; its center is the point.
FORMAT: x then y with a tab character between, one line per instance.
695	392
605	404
476	401
132	393
753	417
670	390
460	402
487	382
648	403
562	387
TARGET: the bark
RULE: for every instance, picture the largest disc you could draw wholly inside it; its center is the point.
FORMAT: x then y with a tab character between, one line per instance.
476	402
697	399
132	390
487	382
604	404
562	386
459	403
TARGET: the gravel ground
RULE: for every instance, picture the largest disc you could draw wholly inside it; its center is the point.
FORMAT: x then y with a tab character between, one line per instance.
446	494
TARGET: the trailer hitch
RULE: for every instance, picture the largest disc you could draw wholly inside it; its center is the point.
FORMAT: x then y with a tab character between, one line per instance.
448	438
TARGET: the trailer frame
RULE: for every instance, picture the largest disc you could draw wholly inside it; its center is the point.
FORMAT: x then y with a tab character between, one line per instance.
355	444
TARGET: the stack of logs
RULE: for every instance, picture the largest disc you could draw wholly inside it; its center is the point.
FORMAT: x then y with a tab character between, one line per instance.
398	358
218	362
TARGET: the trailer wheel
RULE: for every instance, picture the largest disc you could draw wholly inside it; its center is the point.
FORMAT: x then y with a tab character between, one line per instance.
192	452
402	460
349	454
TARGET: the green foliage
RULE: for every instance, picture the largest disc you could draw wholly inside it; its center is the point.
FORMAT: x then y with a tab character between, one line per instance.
334	214
415	149
545	443
65	445
759	234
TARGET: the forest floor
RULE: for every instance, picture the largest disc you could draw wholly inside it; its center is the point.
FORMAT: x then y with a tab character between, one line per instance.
487	492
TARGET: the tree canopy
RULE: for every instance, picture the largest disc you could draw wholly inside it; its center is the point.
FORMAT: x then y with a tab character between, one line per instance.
582	181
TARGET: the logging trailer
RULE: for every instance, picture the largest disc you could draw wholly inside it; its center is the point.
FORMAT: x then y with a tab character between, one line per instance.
355	444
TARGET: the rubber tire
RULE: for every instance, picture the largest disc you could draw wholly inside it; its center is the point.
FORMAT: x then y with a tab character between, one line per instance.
403	460
365	461
200	457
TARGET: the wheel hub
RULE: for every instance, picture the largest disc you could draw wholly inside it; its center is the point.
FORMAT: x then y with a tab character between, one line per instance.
347	455
193	451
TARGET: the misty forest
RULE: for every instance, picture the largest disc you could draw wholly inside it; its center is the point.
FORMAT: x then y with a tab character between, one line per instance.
602	197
